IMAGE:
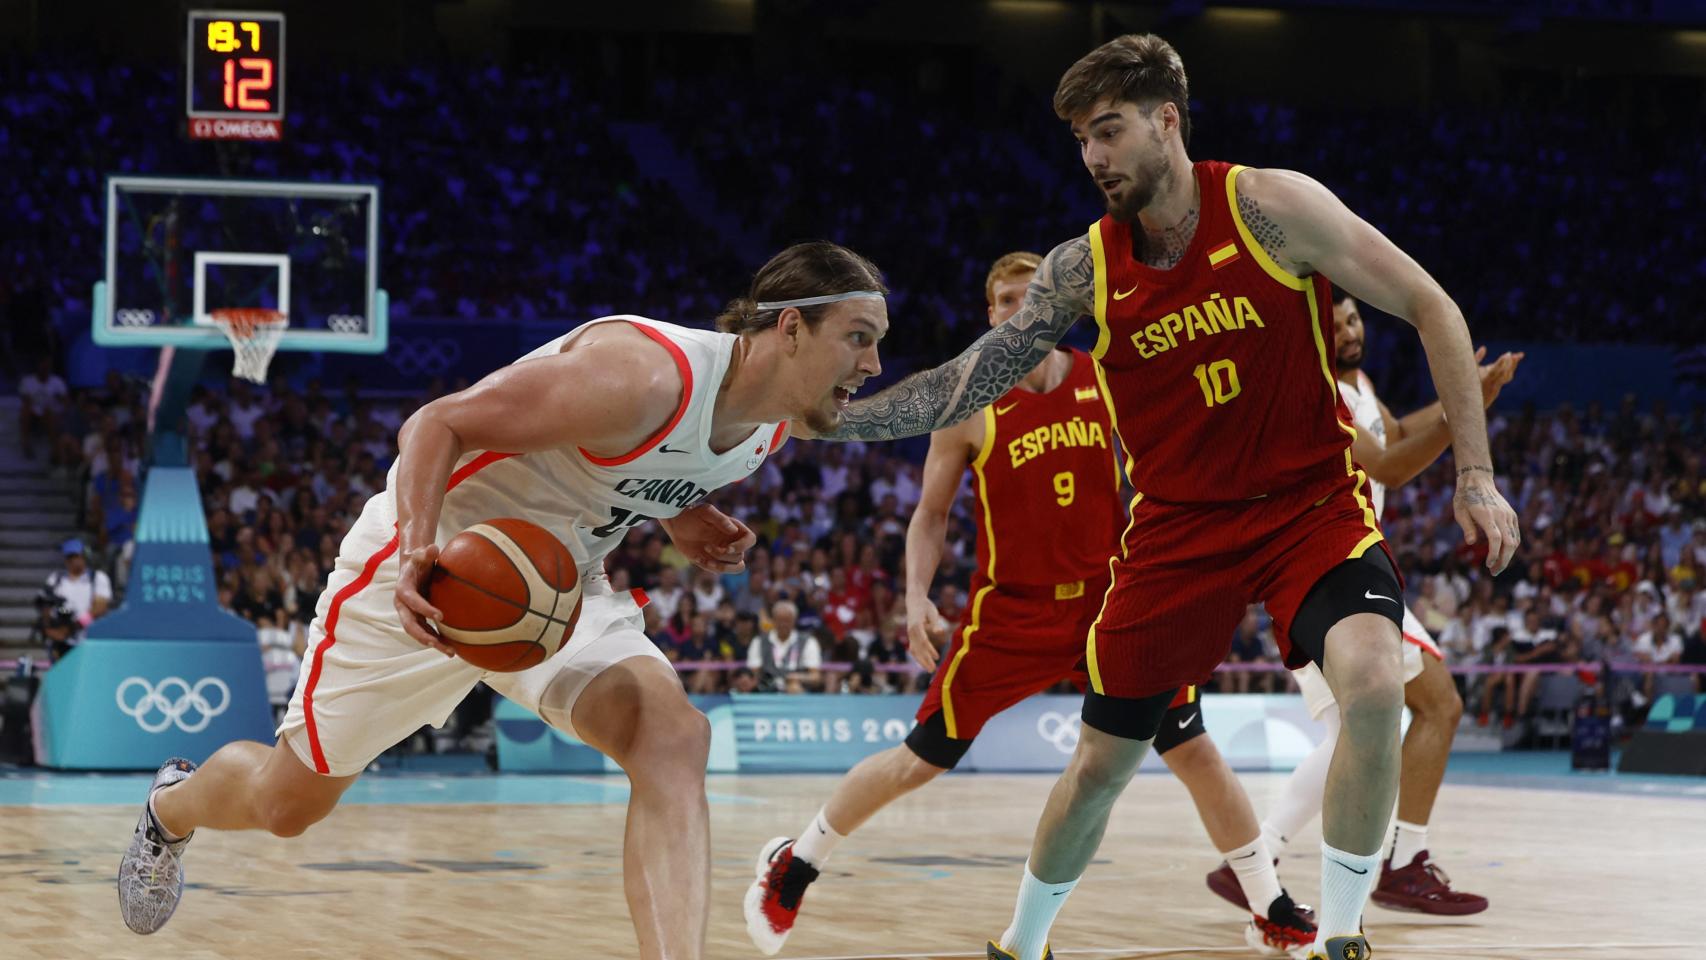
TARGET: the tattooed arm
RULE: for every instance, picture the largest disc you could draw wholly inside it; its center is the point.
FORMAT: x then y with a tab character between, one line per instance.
1306	229
1062	291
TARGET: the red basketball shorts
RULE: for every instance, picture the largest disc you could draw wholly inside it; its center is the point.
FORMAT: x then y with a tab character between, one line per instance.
1012	642
1187	572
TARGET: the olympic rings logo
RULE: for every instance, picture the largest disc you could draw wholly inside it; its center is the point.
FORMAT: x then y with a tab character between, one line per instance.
1059	729
154	708
432	356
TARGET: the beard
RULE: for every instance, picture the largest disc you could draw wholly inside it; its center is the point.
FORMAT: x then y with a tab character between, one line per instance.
1354	362
823	422
1145	182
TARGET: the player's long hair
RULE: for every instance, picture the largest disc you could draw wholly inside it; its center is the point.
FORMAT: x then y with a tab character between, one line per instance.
810	269
1138	68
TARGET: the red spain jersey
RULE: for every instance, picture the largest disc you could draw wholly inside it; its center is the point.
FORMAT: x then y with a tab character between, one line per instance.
1221	368
1048	508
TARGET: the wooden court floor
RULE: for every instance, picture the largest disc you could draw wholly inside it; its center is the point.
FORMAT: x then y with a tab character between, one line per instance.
1570	875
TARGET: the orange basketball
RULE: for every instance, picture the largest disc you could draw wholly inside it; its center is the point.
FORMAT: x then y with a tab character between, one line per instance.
510	593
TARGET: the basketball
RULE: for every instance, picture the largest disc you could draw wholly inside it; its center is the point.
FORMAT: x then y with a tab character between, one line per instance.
510	593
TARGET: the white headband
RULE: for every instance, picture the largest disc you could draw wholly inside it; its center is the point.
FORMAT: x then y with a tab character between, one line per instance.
815	301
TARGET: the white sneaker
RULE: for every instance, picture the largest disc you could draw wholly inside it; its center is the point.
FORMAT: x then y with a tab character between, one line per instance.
773	901
150	877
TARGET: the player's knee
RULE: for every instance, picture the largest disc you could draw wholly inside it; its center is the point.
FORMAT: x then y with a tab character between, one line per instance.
1101	772
1191	756
916	771
1443	704
674	744
1369	687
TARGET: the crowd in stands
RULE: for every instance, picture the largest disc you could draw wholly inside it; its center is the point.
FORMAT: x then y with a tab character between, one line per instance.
1612	569
513	193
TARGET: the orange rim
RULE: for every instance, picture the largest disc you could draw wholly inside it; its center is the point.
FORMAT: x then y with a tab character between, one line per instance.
244	321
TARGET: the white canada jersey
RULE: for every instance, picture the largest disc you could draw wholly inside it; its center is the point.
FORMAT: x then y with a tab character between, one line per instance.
590	502
1365	412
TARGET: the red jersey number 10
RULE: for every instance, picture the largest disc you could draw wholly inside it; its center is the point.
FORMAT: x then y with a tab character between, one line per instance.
1218	380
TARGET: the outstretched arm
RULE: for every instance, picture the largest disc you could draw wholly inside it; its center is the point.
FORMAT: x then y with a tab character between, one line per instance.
1412	447
1062	291
1301	222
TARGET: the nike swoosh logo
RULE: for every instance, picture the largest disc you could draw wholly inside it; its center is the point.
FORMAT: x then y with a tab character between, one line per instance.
1247	855
1349	867
1187	721
1375	596
1001	410
1062	893
666	448
1122	294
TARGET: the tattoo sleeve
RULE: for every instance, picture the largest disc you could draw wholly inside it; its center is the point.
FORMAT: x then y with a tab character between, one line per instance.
1262	227
1062	291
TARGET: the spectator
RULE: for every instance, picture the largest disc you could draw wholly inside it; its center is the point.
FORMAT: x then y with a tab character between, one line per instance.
1457	637
785	654
667	593
44	400
707	590
1660	643
678	626
1247	647
1498	688
889	649
260	601
87	591
1533	642
281	658
699	647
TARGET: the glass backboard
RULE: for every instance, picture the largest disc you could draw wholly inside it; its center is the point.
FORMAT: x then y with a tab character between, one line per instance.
180	249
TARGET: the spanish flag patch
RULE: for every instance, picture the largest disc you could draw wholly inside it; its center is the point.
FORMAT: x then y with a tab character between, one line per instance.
1223	254
1085	394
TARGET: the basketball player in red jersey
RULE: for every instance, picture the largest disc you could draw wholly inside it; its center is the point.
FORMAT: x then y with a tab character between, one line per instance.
1048	517
1208	285
620	419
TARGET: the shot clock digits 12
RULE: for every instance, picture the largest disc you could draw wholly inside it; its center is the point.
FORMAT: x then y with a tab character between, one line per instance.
235	67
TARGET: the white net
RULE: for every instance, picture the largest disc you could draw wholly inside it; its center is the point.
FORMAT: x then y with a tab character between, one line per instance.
254	336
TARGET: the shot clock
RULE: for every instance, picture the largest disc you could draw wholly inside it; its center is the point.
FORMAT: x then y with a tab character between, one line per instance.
234	83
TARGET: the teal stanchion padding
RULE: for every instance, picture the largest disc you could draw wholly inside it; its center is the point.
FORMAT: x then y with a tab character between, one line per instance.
166	674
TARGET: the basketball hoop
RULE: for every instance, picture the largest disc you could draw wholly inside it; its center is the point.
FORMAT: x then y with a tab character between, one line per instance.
254	334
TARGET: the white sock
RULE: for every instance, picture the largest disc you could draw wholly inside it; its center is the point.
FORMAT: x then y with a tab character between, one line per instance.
1254	866
1301	800
1034	914
1408	839
165	834
1346	881
817	841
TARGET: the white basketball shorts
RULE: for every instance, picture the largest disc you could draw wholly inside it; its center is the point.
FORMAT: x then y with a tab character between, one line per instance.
1417	641
365	684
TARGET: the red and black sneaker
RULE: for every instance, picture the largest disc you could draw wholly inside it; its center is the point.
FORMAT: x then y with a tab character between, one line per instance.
773	900
1284	932
1422	887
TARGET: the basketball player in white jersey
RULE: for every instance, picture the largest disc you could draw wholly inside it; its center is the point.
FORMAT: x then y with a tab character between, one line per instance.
620	420
1392	451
